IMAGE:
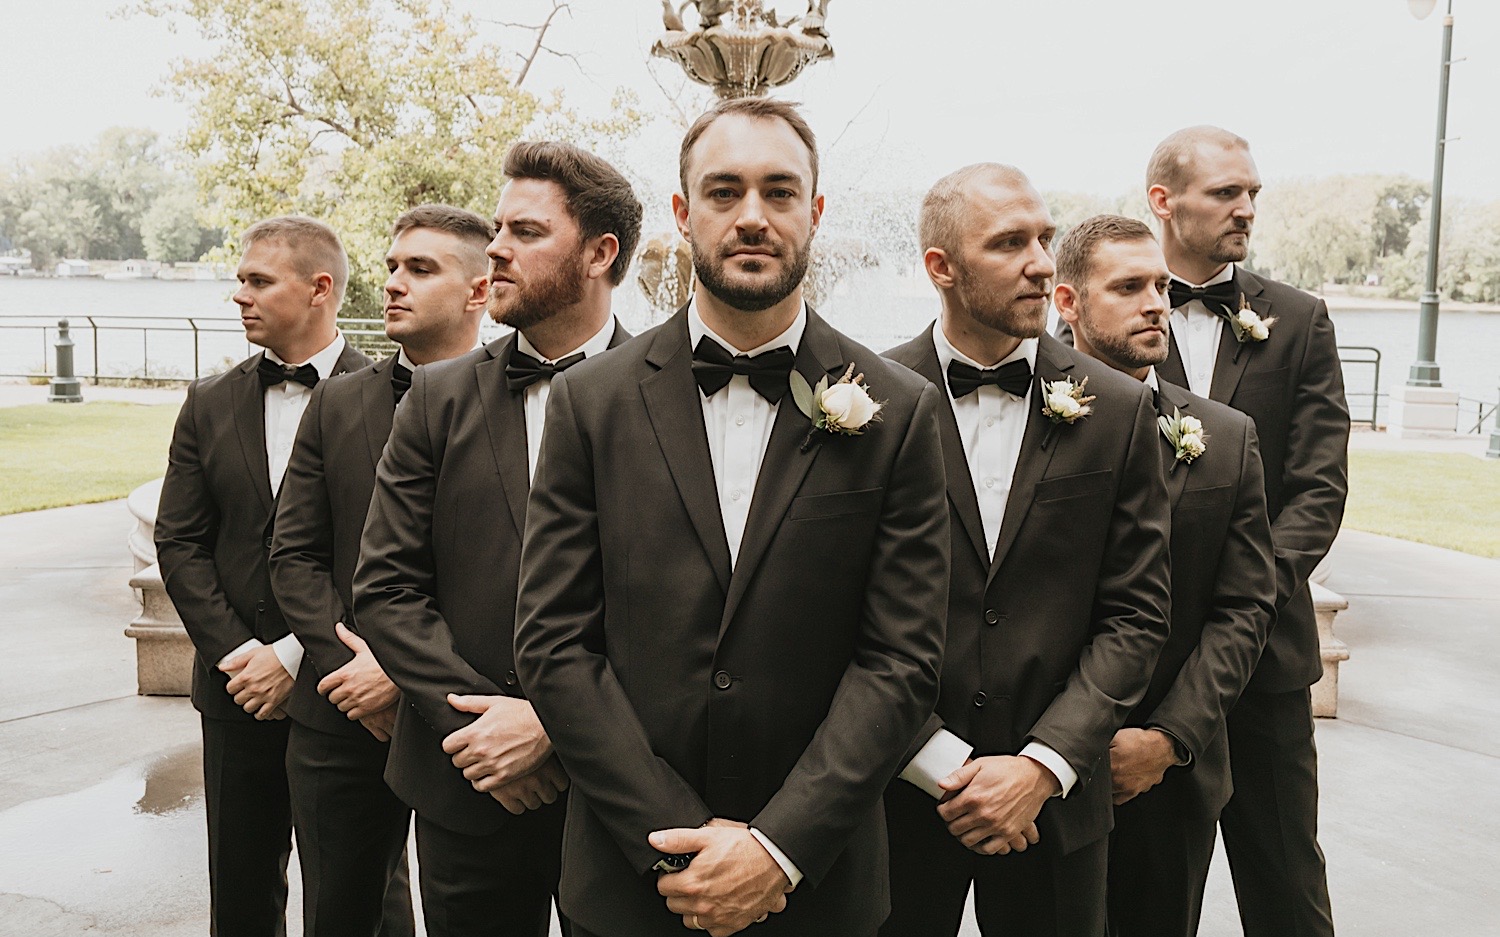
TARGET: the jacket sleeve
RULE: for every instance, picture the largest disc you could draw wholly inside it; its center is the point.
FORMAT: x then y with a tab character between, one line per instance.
187	531
395	582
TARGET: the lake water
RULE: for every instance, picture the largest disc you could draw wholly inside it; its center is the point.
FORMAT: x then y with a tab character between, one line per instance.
878	309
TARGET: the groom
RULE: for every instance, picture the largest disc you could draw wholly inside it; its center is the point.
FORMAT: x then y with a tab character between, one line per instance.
730	619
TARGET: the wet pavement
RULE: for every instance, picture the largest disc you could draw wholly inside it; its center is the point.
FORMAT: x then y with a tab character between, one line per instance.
101	810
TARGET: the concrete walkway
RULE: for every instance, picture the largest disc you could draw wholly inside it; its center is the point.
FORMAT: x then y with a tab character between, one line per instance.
101	815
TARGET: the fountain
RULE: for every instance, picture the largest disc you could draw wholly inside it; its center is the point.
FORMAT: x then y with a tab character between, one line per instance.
739	49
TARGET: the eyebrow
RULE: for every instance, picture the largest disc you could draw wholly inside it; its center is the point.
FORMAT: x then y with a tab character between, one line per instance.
515	222
712	177
414	259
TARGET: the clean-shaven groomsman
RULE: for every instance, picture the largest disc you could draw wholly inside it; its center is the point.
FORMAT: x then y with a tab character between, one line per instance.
1267	350
351	829
435	589
730	618
1170	766
213	537
1059	601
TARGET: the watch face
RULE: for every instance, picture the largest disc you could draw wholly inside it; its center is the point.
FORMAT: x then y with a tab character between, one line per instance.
673	863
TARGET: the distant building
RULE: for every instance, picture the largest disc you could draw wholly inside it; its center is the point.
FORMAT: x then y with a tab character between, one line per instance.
72	268
12	266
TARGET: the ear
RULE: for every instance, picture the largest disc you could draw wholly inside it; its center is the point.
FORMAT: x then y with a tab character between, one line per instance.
1066	300
322	290
479	292
1159	198
939	270
817	212
680	213
602	257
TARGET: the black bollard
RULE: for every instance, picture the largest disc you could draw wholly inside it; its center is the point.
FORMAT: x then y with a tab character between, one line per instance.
64	387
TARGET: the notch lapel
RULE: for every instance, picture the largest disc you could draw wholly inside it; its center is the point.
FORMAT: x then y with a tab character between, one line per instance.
505	421
378	400
673	406
1234	357
1172	369
250	425
1169	398
1034	458
955	461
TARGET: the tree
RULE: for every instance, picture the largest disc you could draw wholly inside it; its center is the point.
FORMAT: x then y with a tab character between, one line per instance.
353	111
170	229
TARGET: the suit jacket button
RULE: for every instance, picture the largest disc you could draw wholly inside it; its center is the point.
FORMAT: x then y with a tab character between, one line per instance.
510	678
260	606
268	543
979	700
722	680
991	617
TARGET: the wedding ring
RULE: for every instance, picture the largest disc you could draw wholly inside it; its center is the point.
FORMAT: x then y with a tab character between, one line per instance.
695	925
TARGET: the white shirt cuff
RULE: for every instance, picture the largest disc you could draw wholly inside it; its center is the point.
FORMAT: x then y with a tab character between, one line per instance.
1052	761
289	652
793	874
249	645
943	754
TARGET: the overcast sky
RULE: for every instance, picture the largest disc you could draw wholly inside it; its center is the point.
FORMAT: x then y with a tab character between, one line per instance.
1075	92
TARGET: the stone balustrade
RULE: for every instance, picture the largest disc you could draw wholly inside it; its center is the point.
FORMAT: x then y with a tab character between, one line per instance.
1325	693
163	652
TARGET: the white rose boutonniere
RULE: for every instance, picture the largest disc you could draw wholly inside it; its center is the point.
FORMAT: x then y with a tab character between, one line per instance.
1064	402
1186	435
844	408
1248	325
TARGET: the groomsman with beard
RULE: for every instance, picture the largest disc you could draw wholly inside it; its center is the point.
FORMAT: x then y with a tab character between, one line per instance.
1059	601
1267	350
1170	766
213	537
435	589
351	829
730	618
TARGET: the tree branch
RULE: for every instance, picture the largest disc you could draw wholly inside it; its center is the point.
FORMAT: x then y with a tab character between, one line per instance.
541	33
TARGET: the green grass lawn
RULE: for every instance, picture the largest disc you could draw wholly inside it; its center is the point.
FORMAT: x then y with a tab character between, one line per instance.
54	454
1447	500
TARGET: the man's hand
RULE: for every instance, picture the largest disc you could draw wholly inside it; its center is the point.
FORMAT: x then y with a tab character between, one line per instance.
258	682
993	801
506	742
731	883
382	725
531	791
360	688
1138	759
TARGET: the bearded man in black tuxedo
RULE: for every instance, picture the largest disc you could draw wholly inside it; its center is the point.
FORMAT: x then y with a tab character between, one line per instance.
435	588
730	618
1170	765
213	538
351	829
1267	350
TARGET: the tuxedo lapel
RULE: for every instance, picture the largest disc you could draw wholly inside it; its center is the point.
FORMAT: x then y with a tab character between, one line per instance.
250	425
1234	356
1034	458
505	421
955	460
1169	400
1172	368
378	401
786	460
673	405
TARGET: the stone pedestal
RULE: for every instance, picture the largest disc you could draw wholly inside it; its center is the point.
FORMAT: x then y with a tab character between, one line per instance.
163	652
1423	412
1325	693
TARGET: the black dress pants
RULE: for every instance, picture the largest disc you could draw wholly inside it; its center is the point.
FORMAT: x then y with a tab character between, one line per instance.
249	826
1159	854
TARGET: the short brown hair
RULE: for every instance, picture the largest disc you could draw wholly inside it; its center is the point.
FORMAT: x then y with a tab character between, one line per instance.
473	230
1172	161
758	108
944	206
599	198
315	247
1075	252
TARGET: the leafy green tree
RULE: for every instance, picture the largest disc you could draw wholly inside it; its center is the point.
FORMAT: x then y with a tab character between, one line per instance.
170	229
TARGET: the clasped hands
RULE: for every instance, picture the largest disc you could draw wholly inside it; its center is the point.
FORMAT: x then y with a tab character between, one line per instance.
360	689
506	753
258	682
992	803
731	883
1138	760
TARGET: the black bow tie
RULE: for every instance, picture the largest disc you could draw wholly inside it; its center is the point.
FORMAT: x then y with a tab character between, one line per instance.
524	370
714	366
400	380
1221	298
1013	378
272	373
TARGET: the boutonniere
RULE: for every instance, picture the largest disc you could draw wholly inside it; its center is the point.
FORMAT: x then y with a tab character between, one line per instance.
1186	435
1064	402
1248	326
845	408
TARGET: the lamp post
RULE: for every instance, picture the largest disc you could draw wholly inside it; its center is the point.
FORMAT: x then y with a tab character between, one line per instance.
1424	371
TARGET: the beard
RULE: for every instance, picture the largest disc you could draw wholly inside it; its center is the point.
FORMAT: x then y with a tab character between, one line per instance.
1218	247
1125	352
745	291
1005	316
537	297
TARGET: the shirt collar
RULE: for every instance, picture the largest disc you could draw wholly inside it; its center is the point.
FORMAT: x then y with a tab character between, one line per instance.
791	338
1151	380
946	353
1223	276
323	362
598	344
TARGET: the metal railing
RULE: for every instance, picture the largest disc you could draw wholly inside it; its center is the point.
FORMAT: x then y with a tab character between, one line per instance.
1483	410
1371	357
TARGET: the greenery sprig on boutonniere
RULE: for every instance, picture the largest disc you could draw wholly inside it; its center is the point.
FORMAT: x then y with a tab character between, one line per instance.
1064	402
1186	435
844	408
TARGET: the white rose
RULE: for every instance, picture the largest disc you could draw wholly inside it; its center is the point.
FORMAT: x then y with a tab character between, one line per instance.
1190	424
1192	444
848	406
1247	318
1063	405
1259	332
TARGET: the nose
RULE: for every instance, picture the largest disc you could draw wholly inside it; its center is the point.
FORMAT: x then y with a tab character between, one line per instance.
752	215
498	248
1156	303
395	284
1040	266
1244	207
240	298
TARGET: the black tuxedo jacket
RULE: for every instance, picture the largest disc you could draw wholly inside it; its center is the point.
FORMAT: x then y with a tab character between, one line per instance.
1054	641
1223	592
1292	386
214	524
782	692
319	518
435	585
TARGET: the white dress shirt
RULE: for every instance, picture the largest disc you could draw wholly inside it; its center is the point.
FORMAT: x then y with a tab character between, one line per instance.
991	424
738	422
1196	330
537	394
284	405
